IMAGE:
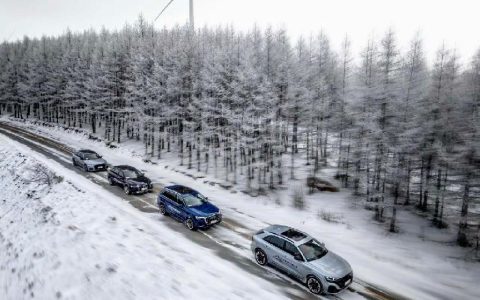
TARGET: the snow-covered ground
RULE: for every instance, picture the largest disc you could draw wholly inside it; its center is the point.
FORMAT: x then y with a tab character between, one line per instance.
420	262
74	240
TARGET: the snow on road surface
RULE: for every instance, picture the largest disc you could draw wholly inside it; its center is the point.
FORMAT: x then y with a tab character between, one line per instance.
420	262
77	241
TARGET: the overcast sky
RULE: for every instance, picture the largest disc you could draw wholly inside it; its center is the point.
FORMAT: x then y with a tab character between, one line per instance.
457	22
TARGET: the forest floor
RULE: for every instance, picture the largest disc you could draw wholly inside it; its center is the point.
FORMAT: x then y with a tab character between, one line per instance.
419	262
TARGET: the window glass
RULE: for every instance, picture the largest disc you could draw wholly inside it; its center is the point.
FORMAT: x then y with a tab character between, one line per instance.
132	173
276	241
313	250
193	200
89	156
291	249
178	201
168	195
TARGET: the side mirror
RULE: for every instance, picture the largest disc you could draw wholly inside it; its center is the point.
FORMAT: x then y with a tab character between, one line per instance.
100	156
298	257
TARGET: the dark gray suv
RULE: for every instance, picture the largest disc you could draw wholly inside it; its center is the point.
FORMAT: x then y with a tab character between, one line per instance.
303	257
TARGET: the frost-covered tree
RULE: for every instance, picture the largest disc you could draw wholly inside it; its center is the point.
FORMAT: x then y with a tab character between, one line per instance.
257	109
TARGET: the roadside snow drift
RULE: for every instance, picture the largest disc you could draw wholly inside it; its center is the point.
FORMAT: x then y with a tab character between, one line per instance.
73	240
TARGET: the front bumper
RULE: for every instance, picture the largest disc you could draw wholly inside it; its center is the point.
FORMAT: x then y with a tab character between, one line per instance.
206	222
140	189
339	285
100	167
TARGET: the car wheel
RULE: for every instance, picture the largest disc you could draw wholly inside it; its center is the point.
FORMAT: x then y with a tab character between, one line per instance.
189	224
314	285
162	209
74	163
126	189
110	181
85	168
261	257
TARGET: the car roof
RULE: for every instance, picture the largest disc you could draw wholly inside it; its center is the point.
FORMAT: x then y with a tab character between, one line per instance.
125	167
293	235
86	151
181	189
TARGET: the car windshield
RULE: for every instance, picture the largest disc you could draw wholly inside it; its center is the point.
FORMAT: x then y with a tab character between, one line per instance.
131	173
194	200
313	250
89	156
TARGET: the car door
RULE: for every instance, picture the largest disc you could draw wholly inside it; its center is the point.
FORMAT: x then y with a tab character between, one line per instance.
120	177
79	159
75	157
275	252
182	209
116	174
171	205
294	266
112	173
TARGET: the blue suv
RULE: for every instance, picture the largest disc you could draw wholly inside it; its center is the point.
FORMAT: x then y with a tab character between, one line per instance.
188	206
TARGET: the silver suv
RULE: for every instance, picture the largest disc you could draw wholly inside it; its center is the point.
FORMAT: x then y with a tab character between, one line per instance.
303	257
89	160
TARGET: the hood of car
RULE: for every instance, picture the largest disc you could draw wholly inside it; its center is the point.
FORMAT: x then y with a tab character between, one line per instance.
203	210
94	162
141	179
331	265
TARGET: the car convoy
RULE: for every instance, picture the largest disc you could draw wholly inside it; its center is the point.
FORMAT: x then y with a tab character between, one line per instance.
285	248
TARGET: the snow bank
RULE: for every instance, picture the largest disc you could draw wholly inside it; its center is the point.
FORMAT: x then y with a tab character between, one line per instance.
73	240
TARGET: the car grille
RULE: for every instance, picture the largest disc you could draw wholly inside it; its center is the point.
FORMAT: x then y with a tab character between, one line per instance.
213	218
342	281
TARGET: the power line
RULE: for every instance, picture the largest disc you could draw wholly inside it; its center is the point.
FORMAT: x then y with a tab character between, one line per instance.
163	10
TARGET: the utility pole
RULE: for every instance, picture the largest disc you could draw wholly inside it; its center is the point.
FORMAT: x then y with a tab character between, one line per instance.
192	24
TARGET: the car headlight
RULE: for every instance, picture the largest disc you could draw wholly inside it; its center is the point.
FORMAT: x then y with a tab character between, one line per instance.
330	279
202	219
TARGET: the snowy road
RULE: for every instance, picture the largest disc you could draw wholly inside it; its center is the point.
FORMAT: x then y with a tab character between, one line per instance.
230	240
